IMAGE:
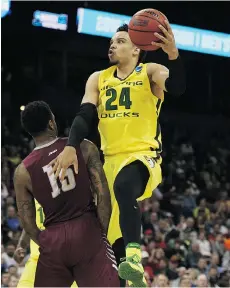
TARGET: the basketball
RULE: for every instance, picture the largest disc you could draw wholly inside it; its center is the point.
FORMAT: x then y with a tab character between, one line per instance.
142	27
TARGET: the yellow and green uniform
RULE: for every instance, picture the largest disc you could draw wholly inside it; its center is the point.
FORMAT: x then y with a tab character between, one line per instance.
129	130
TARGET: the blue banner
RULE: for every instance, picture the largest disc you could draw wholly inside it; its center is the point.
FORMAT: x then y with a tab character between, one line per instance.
50	20
5	8
104	24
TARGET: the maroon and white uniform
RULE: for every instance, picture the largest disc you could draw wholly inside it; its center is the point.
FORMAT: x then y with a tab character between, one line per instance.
72	246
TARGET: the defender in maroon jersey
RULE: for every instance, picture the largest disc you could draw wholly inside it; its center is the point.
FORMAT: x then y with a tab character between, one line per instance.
73	246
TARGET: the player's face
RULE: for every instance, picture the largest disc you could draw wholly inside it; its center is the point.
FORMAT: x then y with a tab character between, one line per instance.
121	48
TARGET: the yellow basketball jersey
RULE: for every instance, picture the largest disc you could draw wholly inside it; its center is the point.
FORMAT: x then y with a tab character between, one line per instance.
128	113
34	249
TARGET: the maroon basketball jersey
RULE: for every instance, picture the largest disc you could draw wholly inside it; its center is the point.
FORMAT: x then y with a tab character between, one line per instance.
60	201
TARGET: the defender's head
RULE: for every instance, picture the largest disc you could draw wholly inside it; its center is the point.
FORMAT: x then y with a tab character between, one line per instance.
37	119
121	49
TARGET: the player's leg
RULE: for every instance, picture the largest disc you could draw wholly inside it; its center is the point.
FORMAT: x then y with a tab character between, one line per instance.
50	274
129	185
28	275
114	235
101	270
51	269
119	252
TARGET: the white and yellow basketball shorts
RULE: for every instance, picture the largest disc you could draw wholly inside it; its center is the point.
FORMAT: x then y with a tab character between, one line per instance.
112	166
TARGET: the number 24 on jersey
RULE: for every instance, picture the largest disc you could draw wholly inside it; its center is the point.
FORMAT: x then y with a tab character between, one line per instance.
124	99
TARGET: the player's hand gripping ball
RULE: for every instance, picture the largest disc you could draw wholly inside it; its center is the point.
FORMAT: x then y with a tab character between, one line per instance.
149	29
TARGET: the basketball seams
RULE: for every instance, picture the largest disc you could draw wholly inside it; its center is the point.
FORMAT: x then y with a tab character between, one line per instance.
144	31
142	44
150	18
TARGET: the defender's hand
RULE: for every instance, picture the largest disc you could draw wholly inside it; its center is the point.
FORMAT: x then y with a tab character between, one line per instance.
168	44
65	159
19	254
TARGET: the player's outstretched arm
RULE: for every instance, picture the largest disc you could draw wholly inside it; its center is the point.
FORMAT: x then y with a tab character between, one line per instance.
99	184
81	126
25	202
171	80
23	243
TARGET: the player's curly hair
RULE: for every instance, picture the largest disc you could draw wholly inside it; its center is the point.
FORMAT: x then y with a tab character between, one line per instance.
35	117
143	53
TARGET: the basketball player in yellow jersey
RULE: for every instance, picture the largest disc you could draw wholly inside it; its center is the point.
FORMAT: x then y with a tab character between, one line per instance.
128	98
28	275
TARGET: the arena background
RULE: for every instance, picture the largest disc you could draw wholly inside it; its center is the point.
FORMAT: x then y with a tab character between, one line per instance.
54	64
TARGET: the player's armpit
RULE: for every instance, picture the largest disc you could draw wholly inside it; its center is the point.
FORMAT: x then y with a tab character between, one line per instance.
25	202
99	185
158	74
171	80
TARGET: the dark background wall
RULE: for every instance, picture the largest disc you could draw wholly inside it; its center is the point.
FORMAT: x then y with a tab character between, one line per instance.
54	65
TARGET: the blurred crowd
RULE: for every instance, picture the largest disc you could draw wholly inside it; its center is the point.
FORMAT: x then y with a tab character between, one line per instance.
185	225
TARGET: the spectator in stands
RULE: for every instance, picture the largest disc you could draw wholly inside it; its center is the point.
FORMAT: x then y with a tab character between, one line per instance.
13	270
224	280
193	274
154	221
193	255
218	244
214	263
202	265
162	266
13	282
185	281
5	279
202	210
204	245
226	260
222	224
181	272
189	232
159	236
155	257
202	281
8	255
189	203
161	280
213	276
14	157
147	237
12	221
171	271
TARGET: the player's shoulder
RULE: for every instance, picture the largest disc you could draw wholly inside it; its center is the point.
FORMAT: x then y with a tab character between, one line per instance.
21	174
63	139
108	71
31	158
95	76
